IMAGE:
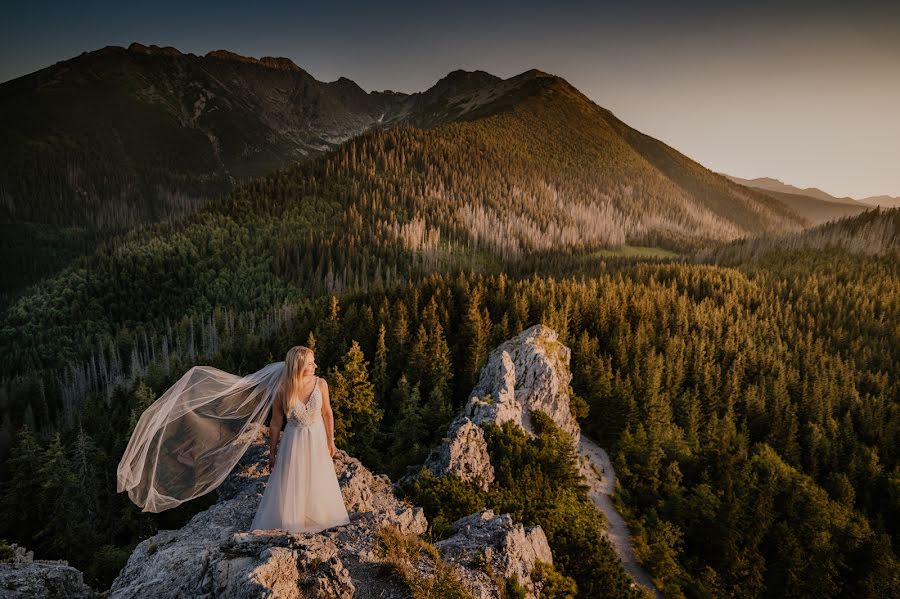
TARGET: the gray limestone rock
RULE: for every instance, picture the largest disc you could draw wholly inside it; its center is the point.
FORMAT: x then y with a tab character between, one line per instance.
490	548
465	453
23	576
527	372
215	555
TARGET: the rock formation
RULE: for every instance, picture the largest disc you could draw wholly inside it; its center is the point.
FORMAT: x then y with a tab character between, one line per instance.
215	554
464	453
495	548
23	576
527	372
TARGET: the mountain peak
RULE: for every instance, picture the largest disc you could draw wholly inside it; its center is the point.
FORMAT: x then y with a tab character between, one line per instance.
461	80
279	63
153	49
534	74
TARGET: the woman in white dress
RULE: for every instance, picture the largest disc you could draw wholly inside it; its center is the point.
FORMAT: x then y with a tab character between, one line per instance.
302	494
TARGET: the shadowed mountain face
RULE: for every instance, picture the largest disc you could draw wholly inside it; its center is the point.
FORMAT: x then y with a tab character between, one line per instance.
119	136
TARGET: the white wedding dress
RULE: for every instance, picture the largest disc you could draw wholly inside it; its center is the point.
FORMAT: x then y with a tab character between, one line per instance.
302	494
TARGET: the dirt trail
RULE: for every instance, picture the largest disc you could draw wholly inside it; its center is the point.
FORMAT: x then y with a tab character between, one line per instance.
601	488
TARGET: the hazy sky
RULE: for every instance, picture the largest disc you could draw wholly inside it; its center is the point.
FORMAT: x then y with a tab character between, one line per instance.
809	94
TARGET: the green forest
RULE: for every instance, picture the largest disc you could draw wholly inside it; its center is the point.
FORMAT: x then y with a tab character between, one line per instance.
751	411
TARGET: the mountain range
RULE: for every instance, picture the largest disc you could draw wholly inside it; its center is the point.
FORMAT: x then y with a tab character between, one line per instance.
119	136
774	185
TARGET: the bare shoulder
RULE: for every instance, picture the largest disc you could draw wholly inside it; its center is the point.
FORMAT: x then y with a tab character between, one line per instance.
323	384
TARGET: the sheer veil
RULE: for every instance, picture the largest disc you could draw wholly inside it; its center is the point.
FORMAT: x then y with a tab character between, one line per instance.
190	438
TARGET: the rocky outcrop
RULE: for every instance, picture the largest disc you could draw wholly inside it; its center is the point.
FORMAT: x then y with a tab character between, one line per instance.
272	62
527	372
465	454
495	548
23	576
215	555
154	50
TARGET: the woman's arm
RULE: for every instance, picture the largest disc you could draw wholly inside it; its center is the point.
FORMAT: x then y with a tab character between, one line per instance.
275	427
328	417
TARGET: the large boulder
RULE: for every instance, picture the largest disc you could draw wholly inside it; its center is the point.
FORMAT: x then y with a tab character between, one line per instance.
464	453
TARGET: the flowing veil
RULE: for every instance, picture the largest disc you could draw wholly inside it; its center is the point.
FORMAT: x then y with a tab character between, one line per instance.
188	440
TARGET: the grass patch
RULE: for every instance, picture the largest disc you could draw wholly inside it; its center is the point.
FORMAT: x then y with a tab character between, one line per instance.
403	552
635	251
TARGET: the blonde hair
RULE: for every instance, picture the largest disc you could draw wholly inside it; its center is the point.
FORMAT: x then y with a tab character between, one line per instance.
296	359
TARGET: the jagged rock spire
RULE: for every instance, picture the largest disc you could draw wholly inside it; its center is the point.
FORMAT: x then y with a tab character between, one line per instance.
527	372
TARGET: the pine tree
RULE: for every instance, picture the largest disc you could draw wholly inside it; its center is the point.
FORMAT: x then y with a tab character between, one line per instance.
21	492
418	358
500	331
356	414
408	431
143	397
380	369
400	326
476	330
59	531
439	365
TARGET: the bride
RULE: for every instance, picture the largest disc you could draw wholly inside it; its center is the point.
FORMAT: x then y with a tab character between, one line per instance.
189	440
303	493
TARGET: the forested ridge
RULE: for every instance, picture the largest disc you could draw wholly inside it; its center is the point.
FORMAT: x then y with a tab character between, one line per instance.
160	135
875	232
485	194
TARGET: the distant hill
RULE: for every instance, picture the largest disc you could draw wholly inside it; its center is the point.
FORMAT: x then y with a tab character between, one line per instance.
774	185
883	200
812	204
815	210
770	184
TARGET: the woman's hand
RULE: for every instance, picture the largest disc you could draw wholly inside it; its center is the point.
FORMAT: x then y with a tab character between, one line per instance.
271	462
331	448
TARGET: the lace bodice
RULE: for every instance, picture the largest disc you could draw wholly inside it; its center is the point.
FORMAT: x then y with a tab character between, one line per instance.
306	414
